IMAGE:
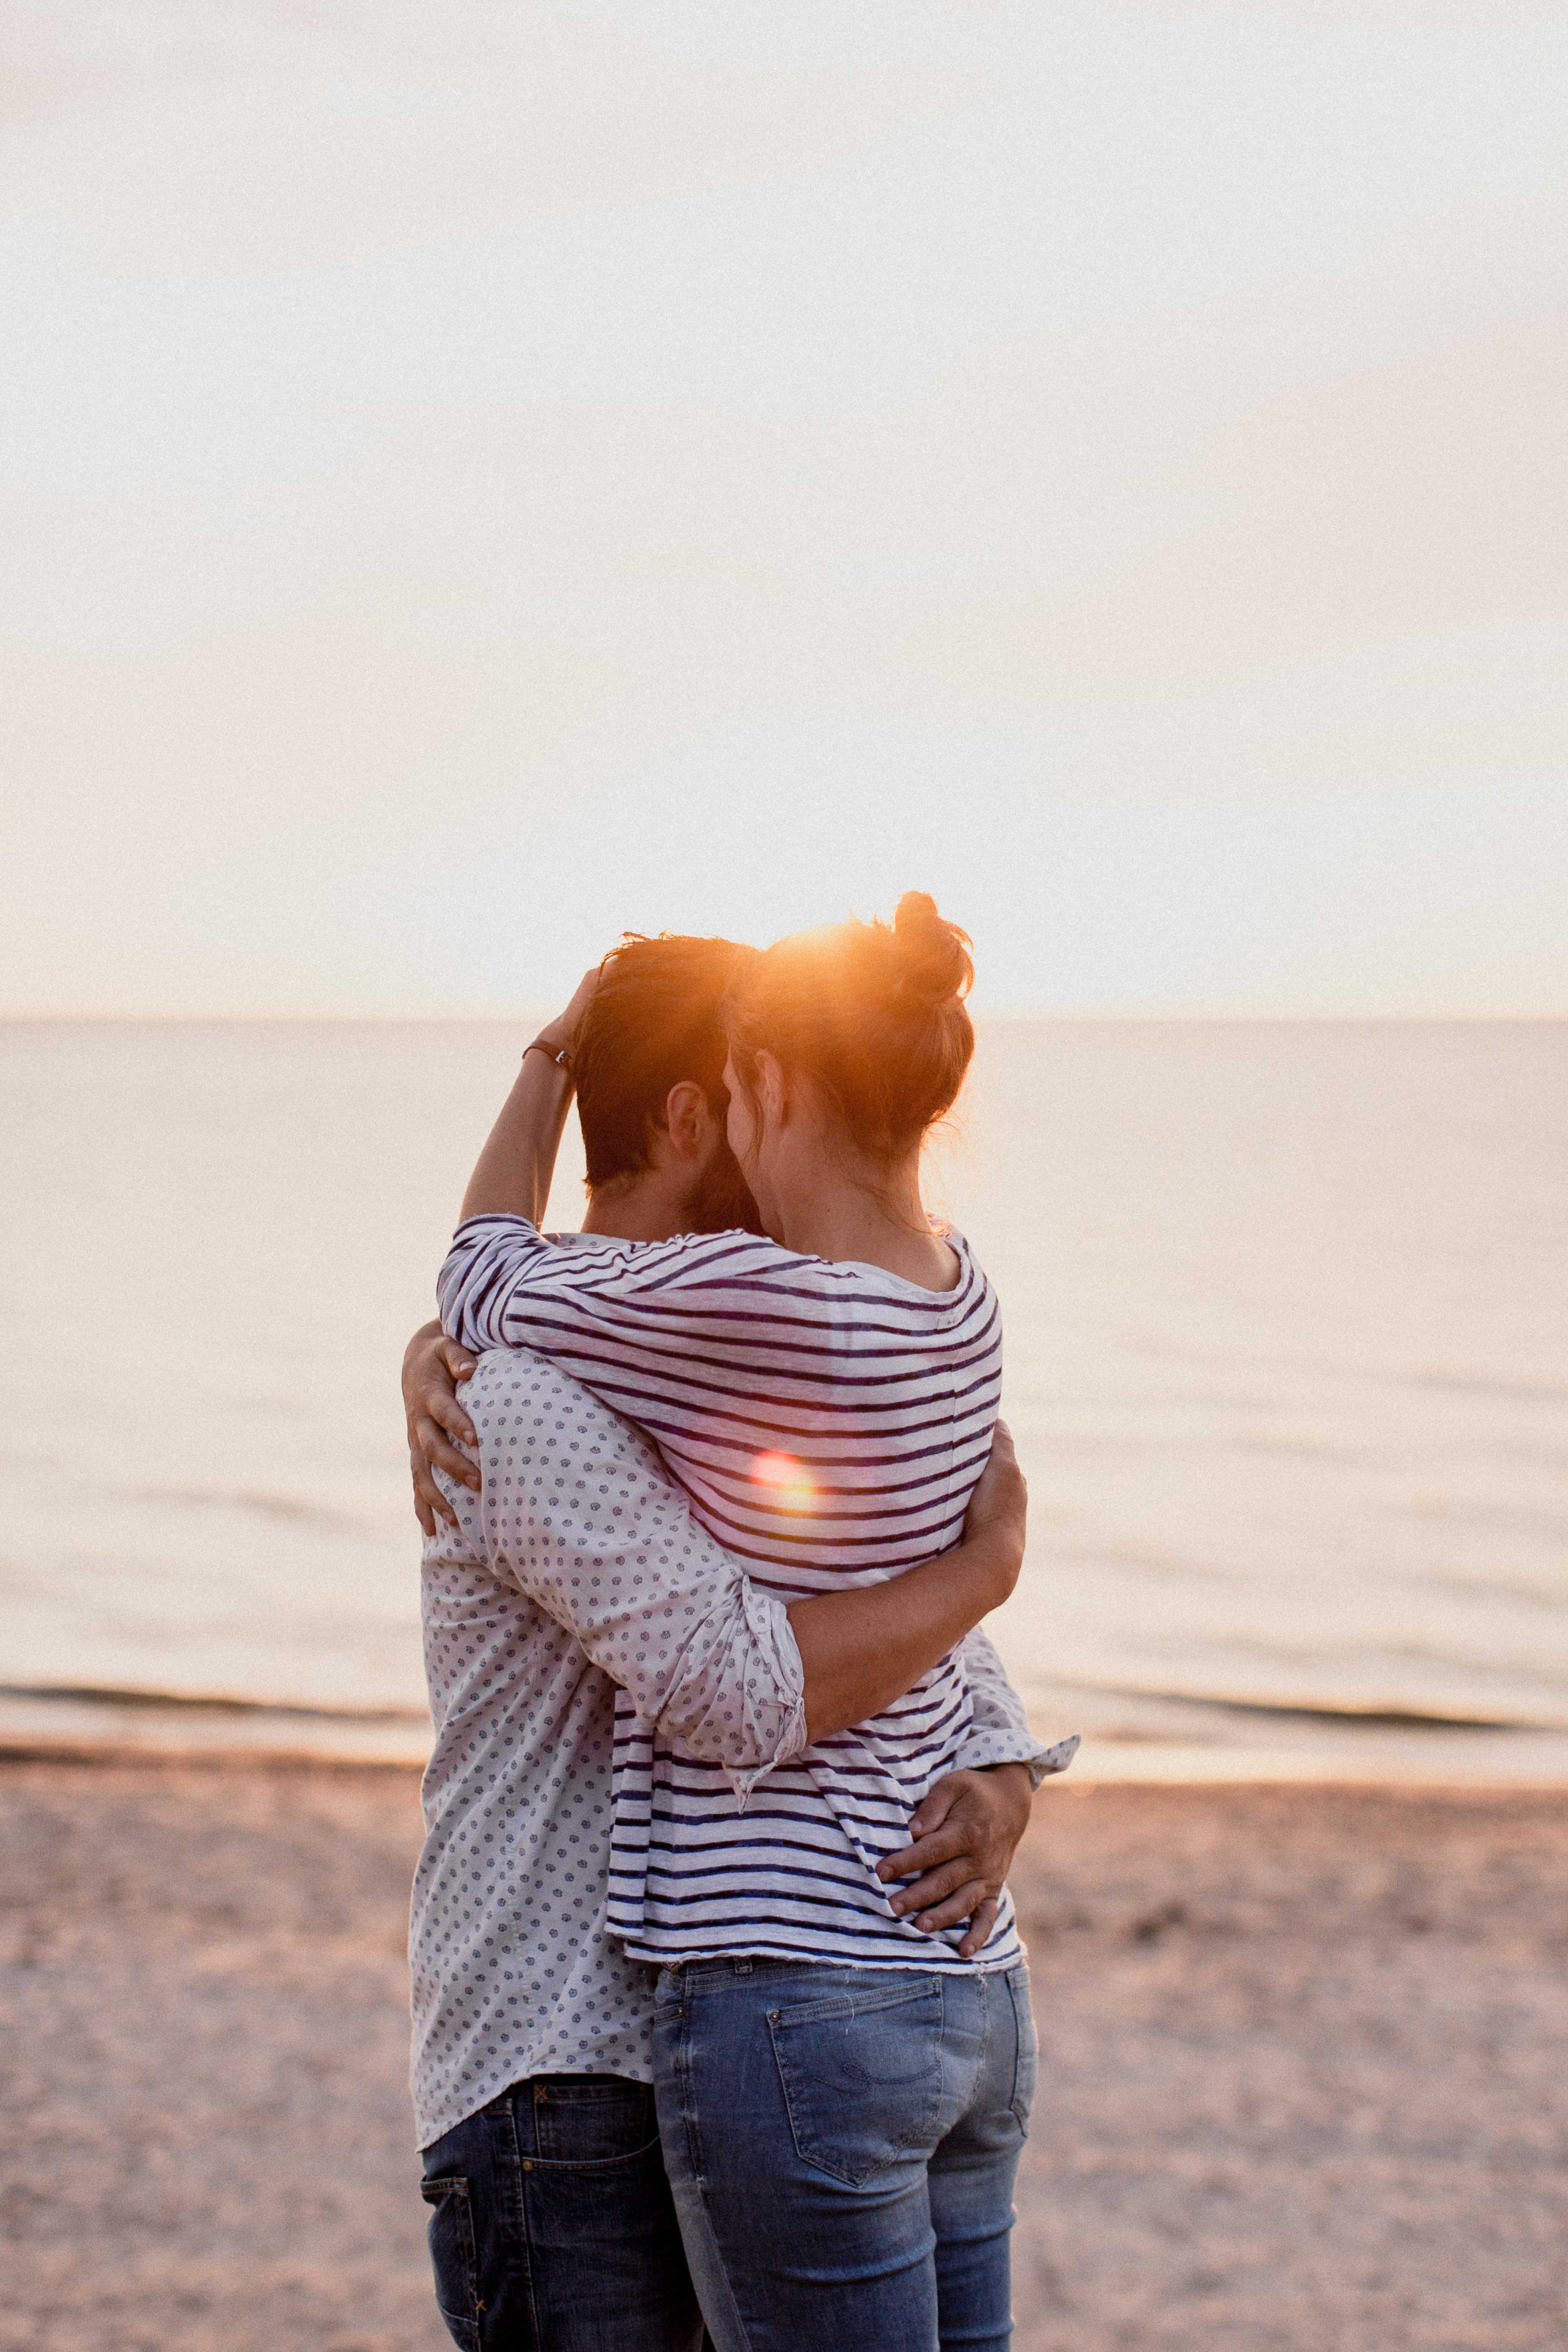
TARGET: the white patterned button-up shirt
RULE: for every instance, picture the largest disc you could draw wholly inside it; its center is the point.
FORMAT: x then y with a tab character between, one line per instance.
582	1570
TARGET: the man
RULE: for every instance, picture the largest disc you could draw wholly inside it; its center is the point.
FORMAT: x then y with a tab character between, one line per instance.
570	1572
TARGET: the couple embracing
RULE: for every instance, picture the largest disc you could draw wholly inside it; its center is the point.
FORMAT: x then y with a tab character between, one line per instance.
721	2015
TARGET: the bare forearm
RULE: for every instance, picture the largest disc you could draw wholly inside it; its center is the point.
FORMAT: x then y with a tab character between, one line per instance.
512	1174
863	1649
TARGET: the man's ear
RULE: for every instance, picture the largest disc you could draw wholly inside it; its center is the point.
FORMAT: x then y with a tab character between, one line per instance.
688	1119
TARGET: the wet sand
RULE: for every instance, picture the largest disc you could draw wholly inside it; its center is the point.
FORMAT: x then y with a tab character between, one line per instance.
1305	2085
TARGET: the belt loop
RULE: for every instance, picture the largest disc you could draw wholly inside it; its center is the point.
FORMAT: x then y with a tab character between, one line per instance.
742	1967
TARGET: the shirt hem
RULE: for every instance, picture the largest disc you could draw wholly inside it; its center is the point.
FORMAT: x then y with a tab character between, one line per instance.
1009	1951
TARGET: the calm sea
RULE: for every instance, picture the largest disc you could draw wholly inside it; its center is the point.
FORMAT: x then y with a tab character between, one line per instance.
1286	1316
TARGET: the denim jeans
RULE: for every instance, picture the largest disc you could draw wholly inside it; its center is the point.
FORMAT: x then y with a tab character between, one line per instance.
842	2145
552	2228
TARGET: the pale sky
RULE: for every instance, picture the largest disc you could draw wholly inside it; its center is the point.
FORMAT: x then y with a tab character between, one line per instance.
478	477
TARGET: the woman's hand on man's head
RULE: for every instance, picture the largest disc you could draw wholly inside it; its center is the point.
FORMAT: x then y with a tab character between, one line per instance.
564	1031
432	1367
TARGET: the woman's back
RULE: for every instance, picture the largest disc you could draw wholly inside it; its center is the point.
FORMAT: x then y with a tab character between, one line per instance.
827	1420
828	1423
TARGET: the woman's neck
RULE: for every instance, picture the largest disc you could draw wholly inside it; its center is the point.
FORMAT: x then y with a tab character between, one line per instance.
834	1216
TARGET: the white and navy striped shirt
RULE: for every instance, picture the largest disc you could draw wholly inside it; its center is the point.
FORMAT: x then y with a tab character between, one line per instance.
828	1421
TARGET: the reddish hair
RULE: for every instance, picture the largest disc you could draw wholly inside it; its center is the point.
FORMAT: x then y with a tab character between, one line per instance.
873	1015
657	1017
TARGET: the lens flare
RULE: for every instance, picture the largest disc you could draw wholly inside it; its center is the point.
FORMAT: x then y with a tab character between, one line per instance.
790	1480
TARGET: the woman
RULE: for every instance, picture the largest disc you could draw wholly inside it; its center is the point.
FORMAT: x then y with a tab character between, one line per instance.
842	2097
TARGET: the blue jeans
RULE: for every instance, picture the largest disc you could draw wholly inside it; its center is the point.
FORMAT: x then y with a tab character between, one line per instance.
552	2228
842	2145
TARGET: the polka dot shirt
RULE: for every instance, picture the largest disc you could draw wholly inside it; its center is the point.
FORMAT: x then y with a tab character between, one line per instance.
579	1567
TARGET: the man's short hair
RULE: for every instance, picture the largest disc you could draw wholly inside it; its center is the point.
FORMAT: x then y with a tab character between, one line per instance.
657	1017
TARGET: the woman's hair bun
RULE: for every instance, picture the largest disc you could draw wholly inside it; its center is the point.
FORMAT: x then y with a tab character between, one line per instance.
872	1013
934	963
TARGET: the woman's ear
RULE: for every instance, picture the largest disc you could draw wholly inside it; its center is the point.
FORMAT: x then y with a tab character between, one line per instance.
773	1088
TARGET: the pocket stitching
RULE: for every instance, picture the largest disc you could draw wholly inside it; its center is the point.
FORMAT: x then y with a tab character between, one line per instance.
813	2013
452	2188
854	2004
592	2164
607	2120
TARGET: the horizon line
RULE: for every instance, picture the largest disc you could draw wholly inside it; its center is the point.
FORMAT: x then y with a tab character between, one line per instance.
542	1008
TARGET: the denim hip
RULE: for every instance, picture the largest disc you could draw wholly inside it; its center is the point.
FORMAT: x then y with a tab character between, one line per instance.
552	2228
842	2144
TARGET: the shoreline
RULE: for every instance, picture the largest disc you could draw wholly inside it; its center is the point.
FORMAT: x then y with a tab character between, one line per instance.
125	1727
85	1729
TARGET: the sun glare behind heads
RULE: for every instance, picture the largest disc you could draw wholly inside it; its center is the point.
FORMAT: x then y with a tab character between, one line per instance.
790	1480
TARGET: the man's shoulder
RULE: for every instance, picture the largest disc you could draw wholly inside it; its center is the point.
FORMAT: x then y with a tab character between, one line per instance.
543	1410
514	1373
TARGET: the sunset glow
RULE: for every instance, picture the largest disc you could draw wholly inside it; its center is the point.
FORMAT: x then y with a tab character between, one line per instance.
473	491
791	1478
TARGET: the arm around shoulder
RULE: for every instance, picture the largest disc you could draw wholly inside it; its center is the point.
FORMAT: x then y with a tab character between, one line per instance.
593	1531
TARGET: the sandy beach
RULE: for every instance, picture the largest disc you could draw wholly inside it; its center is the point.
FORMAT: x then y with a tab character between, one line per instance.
1305	2085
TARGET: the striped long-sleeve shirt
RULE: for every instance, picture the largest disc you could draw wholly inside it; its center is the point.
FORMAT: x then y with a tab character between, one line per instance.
828	1421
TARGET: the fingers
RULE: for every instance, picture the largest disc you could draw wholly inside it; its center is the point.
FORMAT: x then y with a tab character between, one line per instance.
935	1810
937	1804
432	1367
981	1929
431	1442
1000	1495
430	1502
446	1410
459	1363
959	1907
424	1338
1001	1461
925	1853
572	1019
936	1885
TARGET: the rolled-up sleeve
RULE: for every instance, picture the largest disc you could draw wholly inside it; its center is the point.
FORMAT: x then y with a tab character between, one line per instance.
999	1731
576	1510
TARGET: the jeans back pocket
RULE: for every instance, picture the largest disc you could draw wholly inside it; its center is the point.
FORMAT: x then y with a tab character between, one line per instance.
861	2073
453	2258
